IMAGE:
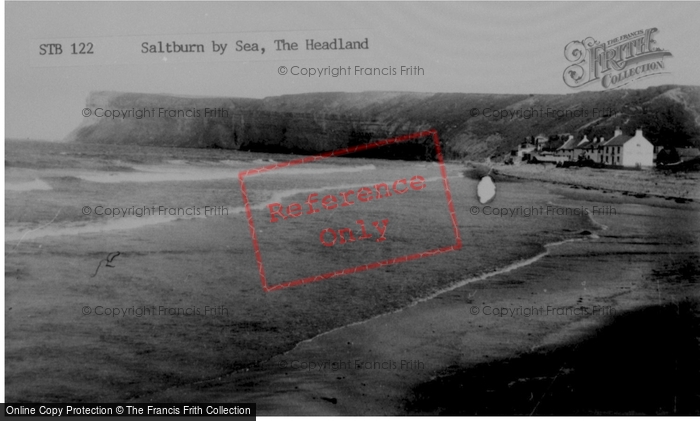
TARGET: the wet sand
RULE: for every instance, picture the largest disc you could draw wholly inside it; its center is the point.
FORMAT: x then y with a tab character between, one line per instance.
57	353
649	182
631	280
258	350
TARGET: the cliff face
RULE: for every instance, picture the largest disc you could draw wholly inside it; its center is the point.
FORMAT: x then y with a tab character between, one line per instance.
324	122
159	123
468	124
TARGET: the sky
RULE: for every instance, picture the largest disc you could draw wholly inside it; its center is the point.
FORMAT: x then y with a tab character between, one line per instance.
473	47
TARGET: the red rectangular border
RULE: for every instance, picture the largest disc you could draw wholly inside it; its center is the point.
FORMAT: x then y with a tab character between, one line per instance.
340	152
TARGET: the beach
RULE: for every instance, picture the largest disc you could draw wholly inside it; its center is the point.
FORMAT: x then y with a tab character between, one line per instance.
649	182
439	358
384	341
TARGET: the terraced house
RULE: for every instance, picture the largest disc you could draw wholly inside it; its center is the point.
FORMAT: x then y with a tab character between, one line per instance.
628	151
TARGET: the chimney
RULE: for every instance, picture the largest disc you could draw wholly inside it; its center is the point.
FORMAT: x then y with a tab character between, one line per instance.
638	133
618	132
602	139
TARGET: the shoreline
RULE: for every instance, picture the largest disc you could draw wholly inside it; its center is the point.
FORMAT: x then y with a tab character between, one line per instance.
306	329
513	266
681	187
432	330
159	264
283	386
336	335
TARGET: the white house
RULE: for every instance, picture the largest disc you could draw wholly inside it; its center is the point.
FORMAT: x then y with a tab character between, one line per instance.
628	151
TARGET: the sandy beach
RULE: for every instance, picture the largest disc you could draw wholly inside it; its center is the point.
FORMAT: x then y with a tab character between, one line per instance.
440	358
649	182
411	338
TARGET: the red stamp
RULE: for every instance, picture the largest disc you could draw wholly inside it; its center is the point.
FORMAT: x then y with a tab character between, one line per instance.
313	225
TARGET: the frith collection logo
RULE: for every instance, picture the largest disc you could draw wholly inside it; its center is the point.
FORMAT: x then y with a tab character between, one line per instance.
615	63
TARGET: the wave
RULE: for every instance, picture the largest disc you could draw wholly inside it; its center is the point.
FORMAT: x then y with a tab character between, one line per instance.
312	171
155	174
114	224
27	185
135	222
592	220
509	268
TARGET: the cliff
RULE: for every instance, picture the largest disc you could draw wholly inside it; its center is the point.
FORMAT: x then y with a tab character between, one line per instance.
158	128
319	122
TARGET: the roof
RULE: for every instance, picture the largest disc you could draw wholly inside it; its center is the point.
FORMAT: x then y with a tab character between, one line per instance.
549	158
618	140
688	152
570	144
582	144
593	145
